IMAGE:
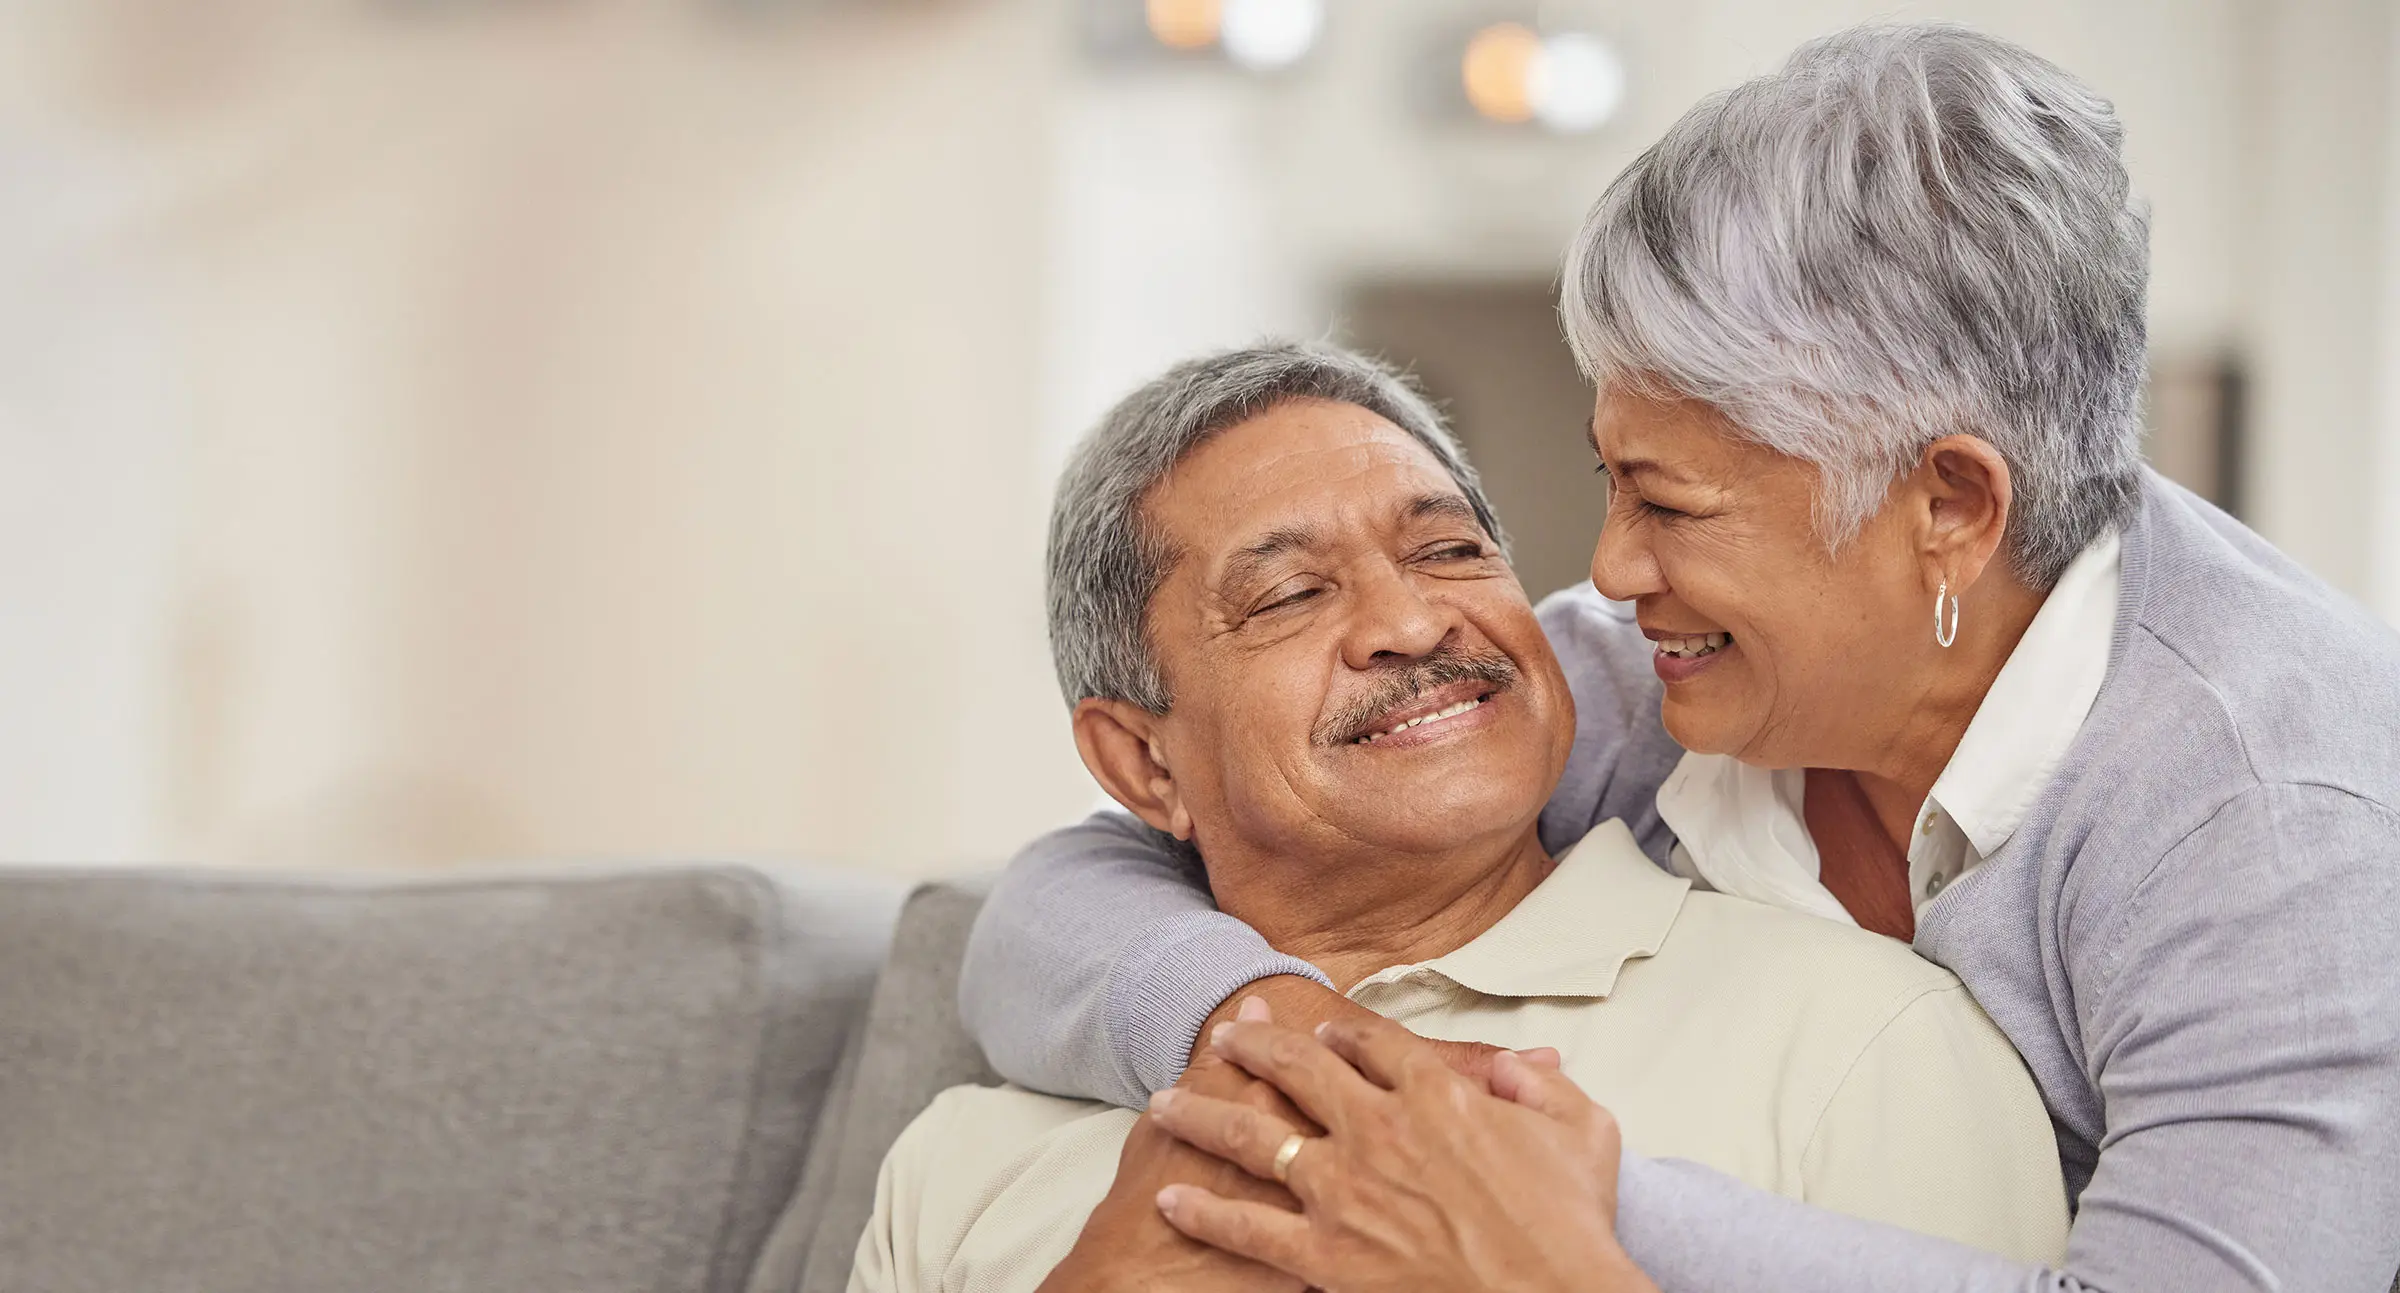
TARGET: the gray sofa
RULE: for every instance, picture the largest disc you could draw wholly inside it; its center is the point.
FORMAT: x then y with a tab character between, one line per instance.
631	1081
651	1081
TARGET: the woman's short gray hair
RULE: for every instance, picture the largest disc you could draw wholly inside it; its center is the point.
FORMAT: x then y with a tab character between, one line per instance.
1907	232
1106	561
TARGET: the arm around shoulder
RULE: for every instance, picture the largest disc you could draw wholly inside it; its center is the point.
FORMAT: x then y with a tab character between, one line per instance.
1098	957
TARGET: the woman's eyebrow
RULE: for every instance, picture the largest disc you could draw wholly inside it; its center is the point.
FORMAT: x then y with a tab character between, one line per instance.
1635	468
1628	466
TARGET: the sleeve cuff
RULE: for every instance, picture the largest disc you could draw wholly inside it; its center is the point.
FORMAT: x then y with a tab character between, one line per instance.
1166	997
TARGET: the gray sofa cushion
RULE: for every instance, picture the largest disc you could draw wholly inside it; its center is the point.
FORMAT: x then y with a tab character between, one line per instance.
573	1082
910	1049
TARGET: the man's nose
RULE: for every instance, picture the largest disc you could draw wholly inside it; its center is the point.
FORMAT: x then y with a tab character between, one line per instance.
1395	619
1623	566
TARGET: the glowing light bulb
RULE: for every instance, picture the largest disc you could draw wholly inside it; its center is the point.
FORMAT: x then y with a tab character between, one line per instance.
1263	35
1576	83
1498	72
1185	24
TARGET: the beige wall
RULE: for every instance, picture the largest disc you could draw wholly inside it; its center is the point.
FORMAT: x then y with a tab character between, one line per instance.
614	435
2319	325
2384	520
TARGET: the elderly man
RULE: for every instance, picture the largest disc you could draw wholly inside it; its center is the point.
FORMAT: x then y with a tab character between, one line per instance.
1281	611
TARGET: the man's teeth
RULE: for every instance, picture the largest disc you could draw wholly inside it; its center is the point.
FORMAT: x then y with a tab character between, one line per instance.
1693	648
1422	719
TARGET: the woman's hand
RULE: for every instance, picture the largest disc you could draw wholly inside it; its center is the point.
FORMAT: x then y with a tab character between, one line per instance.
1422	1180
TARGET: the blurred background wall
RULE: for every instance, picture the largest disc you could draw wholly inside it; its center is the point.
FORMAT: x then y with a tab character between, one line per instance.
435	430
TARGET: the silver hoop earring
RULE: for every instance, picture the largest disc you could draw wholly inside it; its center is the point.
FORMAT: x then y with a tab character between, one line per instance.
1943	638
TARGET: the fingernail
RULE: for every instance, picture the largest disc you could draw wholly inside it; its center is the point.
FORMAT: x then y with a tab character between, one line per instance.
1159	1100
1253	1008
1216	1036
1318	1032
1167	1199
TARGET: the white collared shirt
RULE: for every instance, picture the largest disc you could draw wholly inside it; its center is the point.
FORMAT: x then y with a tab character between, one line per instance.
1740	829
1818	1062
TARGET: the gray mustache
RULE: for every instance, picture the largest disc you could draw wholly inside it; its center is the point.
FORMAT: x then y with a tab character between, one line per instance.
1402	683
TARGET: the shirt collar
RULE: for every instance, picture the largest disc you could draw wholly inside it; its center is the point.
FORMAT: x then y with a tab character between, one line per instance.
2038	703
1604	904
1740	830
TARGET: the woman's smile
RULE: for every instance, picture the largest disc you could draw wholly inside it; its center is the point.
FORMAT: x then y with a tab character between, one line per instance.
1678	657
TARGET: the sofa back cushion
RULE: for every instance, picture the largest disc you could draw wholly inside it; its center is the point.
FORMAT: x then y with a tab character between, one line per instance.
911	1048
587	1082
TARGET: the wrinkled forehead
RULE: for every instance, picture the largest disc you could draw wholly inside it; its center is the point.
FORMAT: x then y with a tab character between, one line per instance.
1309	468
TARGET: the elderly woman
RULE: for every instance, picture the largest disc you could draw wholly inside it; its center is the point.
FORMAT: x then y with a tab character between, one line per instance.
1889	624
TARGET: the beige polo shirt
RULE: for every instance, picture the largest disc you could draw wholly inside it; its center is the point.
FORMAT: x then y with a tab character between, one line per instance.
1802	1056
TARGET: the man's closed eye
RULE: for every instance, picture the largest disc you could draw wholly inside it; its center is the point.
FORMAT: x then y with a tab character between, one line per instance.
1285	600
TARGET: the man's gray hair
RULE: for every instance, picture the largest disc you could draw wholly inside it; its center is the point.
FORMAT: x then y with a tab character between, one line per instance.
1907	232
1107	561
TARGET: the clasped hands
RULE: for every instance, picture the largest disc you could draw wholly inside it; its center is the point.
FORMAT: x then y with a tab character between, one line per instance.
1426	1165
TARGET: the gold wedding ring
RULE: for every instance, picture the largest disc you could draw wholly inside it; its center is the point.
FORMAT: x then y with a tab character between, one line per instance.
1284	1156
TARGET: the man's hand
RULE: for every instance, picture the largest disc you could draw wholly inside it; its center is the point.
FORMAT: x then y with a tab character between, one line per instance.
1127	1245
1303	1004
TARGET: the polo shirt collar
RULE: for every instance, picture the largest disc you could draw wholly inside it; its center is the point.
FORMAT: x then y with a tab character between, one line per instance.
1604	904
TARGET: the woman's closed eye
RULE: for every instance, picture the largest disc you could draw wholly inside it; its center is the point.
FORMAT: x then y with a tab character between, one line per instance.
1642	505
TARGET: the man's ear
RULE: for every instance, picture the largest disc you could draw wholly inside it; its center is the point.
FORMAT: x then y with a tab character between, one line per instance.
1966	493
1119	744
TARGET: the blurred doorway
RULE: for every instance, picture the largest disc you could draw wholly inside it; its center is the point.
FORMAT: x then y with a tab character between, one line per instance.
1492	356
2193	424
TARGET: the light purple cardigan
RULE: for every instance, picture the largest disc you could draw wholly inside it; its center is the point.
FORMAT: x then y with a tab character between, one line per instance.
2194	940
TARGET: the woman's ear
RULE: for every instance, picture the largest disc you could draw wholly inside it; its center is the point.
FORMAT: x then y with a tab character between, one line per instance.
1967	493
1119	744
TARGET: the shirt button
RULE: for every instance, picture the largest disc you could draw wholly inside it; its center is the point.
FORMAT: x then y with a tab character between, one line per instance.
1930	819
1934	886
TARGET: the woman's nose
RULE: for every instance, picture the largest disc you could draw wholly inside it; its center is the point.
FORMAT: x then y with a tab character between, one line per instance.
1623	567
1395	618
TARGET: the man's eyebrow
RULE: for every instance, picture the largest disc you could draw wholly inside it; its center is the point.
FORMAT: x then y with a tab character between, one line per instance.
1453	507
1247	561
1251	557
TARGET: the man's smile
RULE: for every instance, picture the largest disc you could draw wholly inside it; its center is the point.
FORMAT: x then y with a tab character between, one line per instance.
1435	714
